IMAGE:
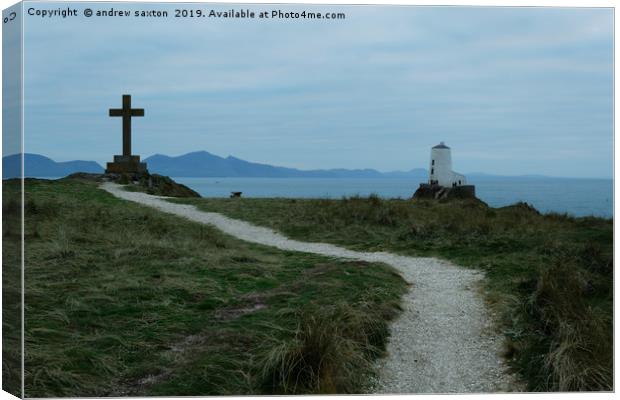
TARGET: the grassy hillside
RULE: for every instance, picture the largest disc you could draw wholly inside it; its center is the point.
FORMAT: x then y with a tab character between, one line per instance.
11	292
124	300
549	275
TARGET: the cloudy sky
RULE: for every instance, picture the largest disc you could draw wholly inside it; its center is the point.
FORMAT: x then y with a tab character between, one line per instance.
511	90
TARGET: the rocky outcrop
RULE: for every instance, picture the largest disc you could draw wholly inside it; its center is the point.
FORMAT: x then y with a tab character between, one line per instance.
437	192
141	181
164	186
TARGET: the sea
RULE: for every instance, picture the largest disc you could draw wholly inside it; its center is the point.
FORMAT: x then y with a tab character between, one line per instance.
577	197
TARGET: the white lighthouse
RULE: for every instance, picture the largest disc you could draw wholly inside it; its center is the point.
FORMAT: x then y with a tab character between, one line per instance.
441	168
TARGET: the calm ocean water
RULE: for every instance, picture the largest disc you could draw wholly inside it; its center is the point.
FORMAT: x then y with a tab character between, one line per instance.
579	197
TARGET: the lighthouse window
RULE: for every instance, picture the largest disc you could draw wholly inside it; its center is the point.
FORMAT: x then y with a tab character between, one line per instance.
433	162
432	170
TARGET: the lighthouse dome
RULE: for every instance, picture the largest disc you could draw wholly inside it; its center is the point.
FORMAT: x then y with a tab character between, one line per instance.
441	145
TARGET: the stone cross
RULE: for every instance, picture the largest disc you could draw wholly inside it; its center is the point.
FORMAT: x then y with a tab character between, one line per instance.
127	112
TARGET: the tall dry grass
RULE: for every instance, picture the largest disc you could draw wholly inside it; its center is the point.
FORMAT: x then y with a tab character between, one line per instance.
330	351
579	355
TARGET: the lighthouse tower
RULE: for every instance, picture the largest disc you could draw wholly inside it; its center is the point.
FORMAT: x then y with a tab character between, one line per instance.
441	168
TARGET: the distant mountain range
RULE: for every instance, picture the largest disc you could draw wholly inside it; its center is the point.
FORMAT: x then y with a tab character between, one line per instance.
196	164
205	164
38	165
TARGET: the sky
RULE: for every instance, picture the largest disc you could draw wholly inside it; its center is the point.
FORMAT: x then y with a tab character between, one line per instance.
11	83
511	90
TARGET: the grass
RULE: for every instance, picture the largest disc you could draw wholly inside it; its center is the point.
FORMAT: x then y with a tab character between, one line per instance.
124	300
549	276
11	293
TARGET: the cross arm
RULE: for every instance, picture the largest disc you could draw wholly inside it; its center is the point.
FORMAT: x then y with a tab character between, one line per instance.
137	112
116	112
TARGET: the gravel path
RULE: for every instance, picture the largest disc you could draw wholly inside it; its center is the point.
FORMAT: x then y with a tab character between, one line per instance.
443	342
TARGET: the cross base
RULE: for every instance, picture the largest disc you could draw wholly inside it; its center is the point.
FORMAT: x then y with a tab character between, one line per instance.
125	164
